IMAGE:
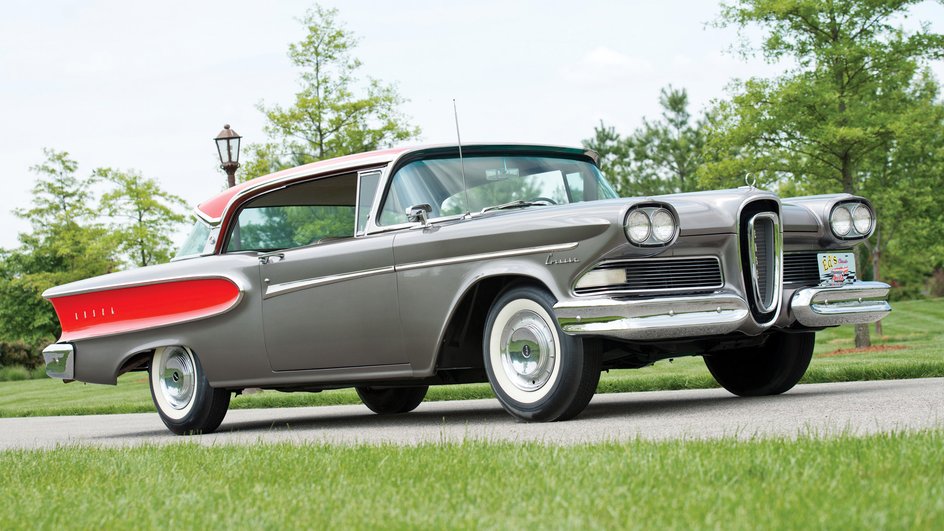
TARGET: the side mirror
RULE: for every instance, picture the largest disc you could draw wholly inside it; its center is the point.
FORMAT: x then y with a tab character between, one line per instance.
419	213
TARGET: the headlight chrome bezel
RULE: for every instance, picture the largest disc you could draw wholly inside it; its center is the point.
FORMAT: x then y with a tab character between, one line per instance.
849	209
651	212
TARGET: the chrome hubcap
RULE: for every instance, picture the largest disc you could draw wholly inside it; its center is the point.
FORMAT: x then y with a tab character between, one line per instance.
528	350
177	378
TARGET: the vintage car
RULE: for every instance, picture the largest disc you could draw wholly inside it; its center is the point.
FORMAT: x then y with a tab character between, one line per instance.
519	265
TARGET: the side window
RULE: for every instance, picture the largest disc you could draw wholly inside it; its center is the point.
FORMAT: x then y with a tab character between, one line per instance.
298	215
366	190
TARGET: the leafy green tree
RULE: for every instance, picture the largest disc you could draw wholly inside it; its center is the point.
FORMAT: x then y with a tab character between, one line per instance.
833	119
329	117
143	216
66	243
661	156
613	158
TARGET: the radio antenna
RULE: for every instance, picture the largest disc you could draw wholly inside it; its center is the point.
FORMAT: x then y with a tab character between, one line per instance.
468	205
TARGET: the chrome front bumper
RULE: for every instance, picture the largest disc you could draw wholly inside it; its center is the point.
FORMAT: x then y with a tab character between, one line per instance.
856	303
60	361
718	313
653	319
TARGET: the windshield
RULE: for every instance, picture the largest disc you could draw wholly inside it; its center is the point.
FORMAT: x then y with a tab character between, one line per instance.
195	242
491	181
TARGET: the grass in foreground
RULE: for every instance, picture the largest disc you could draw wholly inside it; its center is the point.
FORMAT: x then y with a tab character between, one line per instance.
884	481
917	326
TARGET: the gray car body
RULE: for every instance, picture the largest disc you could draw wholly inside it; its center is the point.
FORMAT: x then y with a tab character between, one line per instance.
378	307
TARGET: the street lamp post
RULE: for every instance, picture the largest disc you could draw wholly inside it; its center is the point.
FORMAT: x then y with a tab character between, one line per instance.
227	143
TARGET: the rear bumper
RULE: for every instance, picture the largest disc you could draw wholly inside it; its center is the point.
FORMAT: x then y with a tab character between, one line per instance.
654	319
60	361
856	303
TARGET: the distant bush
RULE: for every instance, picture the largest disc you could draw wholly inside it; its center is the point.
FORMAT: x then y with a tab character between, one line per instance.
17	373
20	354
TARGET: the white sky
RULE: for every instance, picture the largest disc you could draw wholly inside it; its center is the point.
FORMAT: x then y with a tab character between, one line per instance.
147	85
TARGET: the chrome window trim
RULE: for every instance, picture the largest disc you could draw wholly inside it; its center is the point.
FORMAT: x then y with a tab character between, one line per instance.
777	277
573	287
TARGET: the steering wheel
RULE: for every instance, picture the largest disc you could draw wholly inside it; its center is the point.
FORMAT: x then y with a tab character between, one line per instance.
547	200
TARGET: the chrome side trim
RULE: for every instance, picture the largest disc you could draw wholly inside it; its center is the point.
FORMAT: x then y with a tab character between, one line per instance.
857	303
53	293
60	361
298	285
488	256
654	319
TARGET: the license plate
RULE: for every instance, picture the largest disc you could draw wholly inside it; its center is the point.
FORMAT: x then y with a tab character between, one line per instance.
836	268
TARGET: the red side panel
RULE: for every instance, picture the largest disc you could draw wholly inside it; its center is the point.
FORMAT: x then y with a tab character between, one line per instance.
113	311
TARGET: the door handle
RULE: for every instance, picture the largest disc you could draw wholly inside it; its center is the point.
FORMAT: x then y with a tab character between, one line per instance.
267	258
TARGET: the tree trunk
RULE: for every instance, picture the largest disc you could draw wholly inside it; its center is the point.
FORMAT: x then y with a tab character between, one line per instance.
876	276
861	330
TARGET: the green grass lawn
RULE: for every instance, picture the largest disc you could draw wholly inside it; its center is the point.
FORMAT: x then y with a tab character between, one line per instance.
885	481
914	327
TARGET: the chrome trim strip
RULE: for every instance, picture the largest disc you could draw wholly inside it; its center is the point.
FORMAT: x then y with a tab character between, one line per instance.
488	256
298	285
776	279
857	303
52	293
60	361
654	319
663	290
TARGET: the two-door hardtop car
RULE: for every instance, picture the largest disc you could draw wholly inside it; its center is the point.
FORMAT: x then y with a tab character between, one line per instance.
519	265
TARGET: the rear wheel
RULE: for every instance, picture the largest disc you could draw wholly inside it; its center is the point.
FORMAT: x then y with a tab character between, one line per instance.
770	369
392	400
537	372
182	394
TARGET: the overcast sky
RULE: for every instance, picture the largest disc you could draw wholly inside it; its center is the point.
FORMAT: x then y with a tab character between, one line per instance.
147	85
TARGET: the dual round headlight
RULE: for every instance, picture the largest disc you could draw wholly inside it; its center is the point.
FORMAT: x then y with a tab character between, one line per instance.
851	220
650	226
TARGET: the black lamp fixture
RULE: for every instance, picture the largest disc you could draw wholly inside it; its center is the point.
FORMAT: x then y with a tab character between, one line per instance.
227	143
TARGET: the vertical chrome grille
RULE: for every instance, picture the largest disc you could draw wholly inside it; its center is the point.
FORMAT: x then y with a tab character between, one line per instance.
764	241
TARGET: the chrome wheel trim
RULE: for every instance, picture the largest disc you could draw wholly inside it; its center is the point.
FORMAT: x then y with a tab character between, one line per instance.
524	374
174	381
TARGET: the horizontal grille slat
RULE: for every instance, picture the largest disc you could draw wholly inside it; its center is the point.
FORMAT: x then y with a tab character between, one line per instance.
800	269
670	274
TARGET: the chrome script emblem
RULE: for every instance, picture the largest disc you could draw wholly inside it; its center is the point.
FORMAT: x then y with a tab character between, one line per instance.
554	261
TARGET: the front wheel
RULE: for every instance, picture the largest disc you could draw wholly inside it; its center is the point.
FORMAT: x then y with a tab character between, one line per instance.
770	369
537	372
392	400
183	396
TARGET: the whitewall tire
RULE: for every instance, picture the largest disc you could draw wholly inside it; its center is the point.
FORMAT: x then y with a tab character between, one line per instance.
182	394
537	372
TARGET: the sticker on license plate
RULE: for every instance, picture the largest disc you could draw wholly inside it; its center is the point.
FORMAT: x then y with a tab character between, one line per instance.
836	268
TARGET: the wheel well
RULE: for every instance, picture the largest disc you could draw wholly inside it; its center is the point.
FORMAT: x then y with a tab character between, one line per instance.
461	346
136	362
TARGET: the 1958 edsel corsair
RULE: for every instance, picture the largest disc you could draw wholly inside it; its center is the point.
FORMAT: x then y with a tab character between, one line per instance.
518	265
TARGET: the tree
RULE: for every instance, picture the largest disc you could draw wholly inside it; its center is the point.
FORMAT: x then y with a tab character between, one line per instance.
66	244
328	118
824	124
661	156
143	216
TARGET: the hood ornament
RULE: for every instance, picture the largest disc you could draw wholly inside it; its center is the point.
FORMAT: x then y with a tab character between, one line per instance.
750	180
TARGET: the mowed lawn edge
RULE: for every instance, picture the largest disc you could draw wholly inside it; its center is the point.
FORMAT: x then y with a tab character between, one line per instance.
912	347
879	481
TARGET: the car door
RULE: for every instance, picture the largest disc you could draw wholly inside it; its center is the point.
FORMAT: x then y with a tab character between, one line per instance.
332	305
329	292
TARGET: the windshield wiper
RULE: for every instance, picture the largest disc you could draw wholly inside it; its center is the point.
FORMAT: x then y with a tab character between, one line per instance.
513	204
